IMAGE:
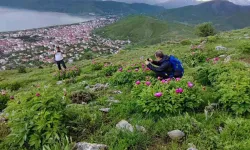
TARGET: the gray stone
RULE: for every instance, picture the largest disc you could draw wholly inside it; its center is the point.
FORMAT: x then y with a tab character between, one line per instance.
106	110
90	146
221	56
176	134
140	128
59	82
113	101
99	87
227	59
71	61
124	125
220	48
191	147
87	87
117	92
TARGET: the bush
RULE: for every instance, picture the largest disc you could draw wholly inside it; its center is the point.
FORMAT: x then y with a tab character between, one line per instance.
128	76
82	121
194	59
68	73
14	86
21	69
88	55
212	39
36	121
96	66
3	101
170	102
205	29
110	70
186	42
244	47
4	130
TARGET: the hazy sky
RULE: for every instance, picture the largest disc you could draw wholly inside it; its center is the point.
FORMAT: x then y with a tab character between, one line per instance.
245	2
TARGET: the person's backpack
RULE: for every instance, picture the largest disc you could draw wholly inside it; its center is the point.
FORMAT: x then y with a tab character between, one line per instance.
177	65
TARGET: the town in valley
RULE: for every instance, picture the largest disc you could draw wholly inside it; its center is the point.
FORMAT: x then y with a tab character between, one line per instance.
36	47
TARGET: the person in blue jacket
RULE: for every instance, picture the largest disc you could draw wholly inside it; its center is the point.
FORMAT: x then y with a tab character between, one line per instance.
165	66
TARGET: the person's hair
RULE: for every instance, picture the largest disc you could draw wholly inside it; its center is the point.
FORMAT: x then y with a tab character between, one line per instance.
159	54
58	47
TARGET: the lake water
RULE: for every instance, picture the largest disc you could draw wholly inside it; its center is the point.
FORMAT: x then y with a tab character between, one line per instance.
20	19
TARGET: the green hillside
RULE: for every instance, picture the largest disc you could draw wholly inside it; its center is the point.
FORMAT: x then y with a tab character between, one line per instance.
43	113
146	30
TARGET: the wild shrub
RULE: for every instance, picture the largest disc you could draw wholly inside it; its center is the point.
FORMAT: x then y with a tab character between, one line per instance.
3	101
68	73
88	55
186	42
169	97
22	69
13	86
36	121
194	59
205	29
129	76
96	66
109	70
244	47
234	90
81	121
212	39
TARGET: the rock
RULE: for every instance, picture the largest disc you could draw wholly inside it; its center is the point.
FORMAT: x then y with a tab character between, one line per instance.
220	48
124	125
99	87
106	110
227	59
191	147
117	92
221	56
89	146
176	134
71	61
59	82
140	128
113	101
87	87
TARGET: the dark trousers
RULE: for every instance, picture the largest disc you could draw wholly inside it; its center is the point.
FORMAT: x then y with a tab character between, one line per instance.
165	76
59	64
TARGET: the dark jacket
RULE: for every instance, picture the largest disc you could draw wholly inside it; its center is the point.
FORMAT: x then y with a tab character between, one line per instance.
164	66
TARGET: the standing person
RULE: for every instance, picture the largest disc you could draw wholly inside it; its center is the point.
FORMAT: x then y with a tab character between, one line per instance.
166	66
59	58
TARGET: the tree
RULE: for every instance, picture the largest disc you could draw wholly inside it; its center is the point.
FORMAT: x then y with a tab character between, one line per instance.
205	29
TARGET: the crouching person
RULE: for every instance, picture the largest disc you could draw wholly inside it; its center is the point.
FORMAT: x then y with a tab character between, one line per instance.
165	66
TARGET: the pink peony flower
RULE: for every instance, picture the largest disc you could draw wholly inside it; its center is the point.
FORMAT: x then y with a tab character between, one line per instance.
147	69
178	79
148	83
120	69
179	91
169	79
163	81
137	82
159	78
216	59
38	94
159	94
136	69
12	97
190	84
207	59
129	70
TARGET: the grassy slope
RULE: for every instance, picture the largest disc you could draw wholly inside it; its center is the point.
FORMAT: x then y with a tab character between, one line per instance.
155	139
146	30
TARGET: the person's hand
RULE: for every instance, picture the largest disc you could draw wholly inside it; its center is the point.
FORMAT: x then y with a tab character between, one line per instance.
150	59
146	62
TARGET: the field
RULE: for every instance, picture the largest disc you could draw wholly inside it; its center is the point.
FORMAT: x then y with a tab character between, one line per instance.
47	109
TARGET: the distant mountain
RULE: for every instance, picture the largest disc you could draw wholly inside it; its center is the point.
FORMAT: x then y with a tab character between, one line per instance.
179	3
146	30
83	6
223	14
